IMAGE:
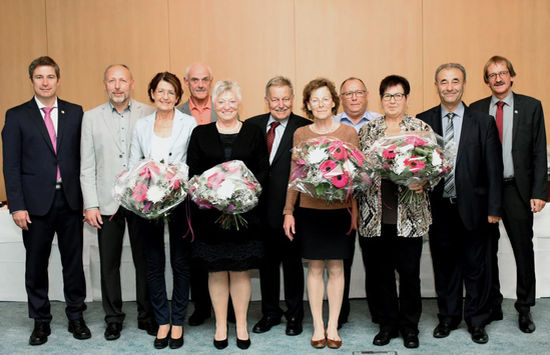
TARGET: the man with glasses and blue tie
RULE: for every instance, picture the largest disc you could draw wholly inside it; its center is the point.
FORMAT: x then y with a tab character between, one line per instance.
520	122
354	99
465	205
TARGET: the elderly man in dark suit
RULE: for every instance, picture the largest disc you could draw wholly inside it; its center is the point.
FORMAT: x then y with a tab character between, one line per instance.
520	122
41	144
279	126
464	205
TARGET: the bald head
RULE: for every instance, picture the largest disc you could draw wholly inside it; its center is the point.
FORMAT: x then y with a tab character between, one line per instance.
198	78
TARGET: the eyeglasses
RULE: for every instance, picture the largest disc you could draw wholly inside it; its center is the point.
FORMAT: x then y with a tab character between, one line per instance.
317	102
358	93
500	73
398	97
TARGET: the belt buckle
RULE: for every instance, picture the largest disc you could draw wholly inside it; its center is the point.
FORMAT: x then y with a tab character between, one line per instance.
58	186
452	200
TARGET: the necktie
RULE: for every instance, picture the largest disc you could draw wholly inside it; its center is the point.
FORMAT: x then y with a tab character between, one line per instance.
271	136
449	189
51	131
500	118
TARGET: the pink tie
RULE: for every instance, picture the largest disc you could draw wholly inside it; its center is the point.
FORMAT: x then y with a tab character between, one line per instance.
500	118
51	132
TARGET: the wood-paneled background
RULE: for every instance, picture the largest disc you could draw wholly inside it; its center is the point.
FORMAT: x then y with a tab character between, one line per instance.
252	40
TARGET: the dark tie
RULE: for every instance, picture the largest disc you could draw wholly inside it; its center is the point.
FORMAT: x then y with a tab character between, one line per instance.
271	136
449	189
500	118
51	132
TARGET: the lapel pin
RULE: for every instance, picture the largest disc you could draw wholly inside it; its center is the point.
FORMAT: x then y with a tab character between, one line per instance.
515	111
63	112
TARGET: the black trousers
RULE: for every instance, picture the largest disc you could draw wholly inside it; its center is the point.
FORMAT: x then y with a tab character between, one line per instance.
280	250
461	258
110	238
382	257
67	223
518	222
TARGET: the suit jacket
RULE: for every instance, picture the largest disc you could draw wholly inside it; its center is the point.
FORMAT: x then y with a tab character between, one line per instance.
478	169
528	146
101	154
30	162
274	195
143	132
185	109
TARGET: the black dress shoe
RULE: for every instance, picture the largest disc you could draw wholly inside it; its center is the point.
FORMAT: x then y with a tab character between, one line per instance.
384	336
265	324
40	333
525	323
150	326
176	343
220	344
112	332
443	330
293	327
79	329
161	343
197	318
243	344
410	339
479	335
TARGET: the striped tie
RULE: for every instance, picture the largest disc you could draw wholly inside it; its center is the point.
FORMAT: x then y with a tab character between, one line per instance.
449	190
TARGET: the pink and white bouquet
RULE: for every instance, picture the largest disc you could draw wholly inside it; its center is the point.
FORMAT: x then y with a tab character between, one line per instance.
228	187
414	157
329	169
151	189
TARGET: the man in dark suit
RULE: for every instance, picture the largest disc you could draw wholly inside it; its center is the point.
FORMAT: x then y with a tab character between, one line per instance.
464	205
520	122
279	126
41	144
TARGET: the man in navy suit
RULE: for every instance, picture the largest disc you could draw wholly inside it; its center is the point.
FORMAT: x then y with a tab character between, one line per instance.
279	126
464	205
520	121
41	145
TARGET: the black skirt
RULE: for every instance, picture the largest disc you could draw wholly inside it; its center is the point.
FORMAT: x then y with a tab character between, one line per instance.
322	234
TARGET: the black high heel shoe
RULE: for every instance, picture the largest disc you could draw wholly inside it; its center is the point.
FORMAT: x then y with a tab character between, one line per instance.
243	344
161	343
220	344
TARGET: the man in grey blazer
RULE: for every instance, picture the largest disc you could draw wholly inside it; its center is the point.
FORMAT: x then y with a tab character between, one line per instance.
105	142
520	121
198	78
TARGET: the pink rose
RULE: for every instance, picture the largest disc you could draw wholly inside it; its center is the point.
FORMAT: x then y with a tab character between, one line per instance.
139	193
414	140
231	167
215	180
149	169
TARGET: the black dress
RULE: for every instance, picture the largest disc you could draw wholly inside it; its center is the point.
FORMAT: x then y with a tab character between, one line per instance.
220	249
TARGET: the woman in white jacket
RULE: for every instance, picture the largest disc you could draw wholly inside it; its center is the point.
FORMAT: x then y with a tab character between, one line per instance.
164	136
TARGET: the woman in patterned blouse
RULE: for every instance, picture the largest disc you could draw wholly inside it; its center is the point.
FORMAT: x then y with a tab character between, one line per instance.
392	231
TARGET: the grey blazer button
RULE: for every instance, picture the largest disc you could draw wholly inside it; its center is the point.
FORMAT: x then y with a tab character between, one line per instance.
120	156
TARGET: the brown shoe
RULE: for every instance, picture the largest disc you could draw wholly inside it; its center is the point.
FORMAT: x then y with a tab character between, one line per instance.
319	344
334	344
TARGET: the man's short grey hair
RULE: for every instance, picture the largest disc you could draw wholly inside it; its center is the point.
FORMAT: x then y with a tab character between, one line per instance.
226	85
450	66
116	65
349	79
188	69
279	81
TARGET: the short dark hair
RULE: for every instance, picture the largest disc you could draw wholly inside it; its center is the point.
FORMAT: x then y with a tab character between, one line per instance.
317	84
494	60
169	78
393	80
43	61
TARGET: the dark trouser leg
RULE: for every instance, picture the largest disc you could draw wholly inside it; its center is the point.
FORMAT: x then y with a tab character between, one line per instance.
137	244
270	277
110	238
152	233
199	288
293	278
407	260
180	255
495	298
348	263
69	229
518	221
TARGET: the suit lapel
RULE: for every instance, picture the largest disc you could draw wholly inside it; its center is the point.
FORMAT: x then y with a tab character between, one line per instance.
286	139
107	117
518	109
464	133
61	122
38	121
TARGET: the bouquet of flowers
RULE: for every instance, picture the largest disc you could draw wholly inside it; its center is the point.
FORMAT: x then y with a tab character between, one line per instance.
228	187
411	157
151	189
329	169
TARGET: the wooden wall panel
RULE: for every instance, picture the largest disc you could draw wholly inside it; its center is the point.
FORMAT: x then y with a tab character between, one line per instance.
87	35
248	41
368	39
22	38
470	32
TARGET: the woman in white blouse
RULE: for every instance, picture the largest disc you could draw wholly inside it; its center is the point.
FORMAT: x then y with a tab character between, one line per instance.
164	136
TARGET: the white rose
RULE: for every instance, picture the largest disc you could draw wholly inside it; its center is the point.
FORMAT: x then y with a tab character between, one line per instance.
316	156
155	194
436	158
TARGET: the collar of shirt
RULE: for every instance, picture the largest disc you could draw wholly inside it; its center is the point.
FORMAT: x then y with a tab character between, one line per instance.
508	100
41	105
344	119
271	119
193	106
459	111
113	108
